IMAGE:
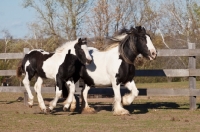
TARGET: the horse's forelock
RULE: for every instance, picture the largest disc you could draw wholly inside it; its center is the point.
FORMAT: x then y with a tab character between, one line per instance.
140	30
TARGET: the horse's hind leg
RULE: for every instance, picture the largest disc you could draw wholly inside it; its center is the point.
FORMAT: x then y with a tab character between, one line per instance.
37	88
70	97
84	105
128	98
26	83
118	109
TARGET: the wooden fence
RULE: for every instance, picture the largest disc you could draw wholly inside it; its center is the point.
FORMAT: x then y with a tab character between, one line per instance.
191	72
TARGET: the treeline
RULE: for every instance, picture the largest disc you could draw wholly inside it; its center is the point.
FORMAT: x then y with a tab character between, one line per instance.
172	24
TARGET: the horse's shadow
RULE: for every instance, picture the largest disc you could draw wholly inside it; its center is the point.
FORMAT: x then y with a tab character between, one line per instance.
139	108
135	108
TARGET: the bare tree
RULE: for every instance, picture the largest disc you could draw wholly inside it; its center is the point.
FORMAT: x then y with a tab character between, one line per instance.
107	17
7	39
71	18
179	20
46	11
35	38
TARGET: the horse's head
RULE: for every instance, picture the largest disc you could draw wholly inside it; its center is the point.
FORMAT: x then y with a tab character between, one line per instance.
82	52
143	42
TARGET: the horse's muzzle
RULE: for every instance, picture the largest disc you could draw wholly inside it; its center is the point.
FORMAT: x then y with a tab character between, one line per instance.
88	61
152	55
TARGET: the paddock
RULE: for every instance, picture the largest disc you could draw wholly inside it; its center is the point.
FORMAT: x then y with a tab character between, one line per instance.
147	113
192	92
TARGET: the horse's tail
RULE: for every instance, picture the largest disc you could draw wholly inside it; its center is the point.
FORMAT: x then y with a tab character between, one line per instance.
19	70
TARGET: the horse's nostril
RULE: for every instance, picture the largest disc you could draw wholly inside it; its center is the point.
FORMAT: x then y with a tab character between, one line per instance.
154	54
89	61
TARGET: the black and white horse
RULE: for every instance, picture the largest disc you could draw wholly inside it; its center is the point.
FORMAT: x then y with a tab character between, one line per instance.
114	66
43	64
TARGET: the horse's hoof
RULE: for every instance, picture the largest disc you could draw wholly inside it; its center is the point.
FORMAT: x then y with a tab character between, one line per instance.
30	106
88	111
122	112
72	108
48	110
44	111
65	109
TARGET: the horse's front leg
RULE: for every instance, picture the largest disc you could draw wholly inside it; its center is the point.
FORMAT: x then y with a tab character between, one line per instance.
128	98
70	99
84	105
118	109
26	83
37	88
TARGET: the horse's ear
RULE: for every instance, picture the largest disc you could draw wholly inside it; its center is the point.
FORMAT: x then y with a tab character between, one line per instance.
132	30
143	30
139	28
69	51
79	40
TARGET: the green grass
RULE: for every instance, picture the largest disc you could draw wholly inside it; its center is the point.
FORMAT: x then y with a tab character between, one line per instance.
152	114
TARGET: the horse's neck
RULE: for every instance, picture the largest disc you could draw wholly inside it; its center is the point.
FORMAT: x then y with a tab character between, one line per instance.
128	54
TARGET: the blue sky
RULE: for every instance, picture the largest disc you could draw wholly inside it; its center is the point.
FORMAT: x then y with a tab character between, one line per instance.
14	18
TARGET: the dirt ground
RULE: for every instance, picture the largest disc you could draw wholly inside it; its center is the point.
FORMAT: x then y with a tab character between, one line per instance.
152	114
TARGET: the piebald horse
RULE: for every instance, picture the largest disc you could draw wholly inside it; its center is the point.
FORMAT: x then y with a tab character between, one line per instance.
115	66
43	64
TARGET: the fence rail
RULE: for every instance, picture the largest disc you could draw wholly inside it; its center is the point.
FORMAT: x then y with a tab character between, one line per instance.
191	72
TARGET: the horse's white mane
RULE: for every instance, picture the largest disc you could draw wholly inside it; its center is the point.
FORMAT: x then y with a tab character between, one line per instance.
119	37
66	46
110	46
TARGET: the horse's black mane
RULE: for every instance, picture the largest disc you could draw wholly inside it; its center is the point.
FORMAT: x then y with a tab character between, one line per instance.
124	31
121	31
129	43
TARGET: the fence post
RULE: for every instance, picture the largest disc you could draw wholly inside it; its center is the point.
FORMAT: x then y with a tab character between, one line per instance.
25	98
192	79
26	50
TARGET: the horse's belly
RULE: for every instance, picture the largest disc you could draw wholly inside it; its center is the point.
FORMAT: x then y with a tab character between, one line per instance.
99	76
102	81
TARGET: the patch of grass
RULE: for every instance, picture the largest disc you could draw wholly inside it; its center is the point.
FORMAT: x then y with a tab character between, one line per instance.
147	114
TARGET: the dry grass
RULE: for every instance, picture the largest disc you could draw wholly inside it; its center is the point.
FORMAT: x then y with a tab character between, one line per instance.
153	114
